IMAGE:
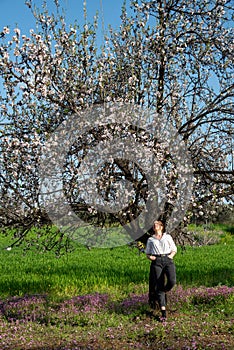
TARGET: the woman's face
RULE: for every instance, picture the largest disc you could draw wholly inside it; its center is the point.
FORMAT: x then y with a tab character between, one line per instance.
158	226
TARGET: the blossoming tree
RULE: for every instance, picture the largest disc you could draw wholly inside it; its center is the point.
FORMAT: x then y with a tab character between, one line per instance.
172	57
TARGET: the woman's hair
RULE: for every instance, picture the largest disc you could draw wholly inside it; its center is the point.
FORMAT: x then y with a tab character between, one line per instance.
161	223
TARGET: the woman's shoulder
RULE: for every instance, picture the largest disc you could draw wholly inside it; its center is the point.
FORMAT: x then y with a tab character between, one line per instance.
167	235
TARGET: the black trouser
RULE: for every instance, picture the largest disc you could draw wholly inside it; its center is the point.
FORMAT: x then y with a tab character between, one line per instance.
162	279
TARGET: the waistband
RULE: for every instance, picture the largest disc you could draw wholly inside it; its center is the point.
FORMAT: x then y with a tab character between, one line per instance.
160	255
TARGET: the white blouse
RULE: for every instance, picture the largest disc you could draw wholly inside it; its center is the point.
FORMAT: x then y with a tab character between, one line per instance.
165	245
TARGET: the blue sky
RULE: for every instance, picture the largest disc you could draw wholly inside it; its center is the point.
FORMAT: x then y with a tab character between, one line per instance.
16	12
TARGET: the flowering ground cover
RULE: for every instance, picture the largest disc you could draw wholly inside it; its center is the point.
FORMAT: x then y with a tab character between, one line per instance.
198	318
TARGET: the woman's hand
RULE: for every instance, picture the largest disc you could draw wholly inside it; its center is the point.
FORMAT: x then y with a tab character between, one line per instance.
171	255
151	257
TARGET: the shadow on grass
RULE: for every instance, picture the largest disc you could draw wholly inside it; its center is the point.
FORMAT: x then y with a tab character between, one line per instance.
229	229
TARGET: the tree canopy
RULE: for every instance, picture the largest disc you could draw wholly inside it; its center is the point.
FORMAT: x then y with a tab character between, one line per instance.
172	58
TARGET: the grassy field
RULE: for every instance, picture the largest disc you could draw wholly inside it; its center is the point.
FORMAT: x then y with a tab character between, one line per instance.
97	299
106	270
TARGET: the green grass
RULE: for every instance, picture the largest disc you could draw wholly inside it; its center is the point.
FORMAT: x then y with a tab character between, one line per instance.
106	270
216	228
208	234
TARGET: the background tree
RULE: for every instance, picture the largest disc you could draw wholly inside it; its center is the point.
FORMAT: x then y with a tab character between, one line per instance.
174	57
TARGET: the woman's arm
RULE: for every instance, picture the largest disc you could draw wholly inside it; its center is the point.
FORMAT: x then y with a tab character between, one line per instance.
173	248
172	254
151	257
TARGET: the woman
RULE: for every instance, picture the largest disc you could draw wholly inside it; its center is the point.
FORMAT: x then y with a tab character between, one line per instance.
160	250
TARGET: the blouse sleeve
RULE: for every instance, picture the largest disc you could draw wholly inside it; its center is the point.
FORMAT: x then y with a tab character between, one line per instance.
172	244
148	249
